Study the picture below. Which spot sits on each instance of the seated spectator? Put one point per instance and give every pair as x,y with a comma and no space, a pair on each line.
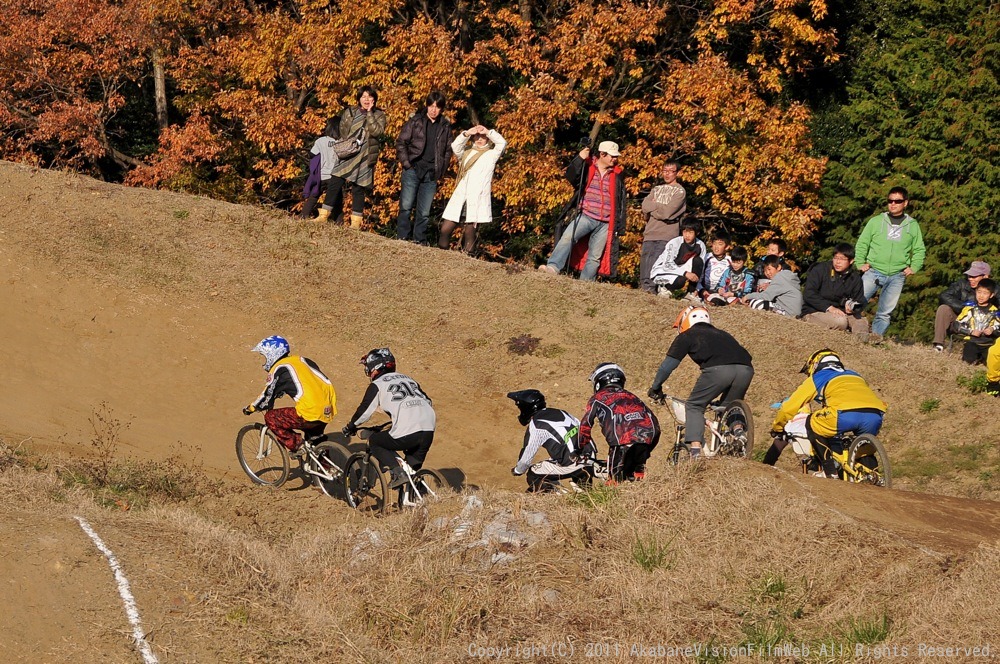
716,264
834,294
957,296
782,295
775,247
682,262
979,323
736,281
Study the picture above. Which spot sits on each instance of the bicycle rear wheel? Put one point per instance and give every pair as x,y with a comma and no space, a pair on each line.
364,484
737,423
262,457
332,460
869,460
430,484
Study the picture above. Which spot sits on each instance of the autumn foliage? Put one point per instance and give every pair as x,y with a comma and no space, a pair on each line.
249,86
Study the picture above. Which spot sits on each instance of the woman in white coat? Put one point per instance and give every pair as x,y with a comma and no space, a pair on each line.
474,184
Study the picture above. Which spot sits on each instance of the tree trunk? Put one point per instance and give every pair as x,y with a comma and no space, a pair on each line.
525,6
160,90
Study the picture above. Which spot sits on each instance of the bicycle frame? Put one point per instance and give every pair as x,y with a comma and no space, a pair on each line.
310,463
715,438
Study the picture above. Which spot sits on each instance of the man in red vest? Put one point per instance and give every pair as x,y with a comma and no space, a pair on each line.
598,214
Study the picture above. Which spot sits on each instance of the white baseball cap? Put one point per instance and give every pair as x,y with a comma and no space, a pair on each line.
609,147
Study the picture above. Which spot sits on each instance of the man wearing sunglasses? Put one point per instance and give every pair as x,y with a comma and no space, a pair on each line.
890,248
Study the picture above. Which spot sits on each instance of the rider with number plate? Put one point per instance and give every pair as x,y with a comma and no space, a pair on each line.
628,425
411,412
555,431
302,380
726,370
847,404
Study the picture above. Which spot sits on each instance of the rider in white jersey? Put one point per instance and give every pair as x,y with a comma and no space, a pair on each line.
410,409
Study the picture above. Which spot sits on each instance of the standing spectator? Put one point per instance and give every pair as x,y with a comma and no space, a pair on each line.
782,295
775,247
362,121
681,263
422,150
321,173
959,294
629,426
598,207
663,207
890,248
834,296
473,185
979,323
993,370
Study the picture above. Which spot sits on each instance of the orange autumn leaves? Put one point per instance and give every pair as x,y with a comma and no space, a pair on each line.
252,84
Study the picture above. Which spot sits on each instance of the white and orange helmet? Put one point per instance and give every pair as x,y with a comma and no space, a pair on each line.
692,316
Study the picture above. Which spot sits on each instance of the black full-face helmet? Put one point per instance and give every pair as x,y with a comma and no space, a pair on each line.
529,402
607,373
377,362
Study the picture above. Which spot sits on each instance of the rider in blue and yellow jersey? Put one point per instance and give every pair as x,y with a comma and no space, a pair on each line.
847,404
302,380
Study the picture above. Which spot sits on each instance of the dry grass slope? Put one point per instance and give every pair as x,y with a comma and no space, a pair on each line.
727,553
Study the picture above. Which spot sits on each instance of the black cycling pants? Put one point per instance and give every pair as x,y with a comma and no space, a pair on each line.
384,447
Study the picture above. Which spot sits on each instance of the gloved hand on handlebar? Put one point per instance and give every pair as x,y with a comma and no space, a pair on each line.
249,410
656,395
349,430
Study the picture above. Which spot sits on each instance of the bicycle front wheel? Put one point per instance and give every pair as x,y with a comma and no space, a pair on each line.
868,459
332,461
737,422
430,485
262,457
364,484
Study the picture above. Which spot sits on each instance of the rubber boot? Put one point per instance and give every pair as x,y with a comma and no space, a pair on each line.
356,220
307,207
323,215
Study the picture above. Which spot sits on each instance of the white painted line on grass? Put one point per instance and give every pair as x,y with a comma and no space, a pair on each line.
123,589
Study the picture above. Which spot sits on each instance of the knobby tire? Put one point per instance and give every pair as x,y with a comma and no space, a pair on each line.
272,466
864,447
364,484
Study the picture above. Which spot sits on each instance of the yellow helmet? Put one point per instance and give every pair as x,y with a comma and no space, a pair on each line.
821,359
692,316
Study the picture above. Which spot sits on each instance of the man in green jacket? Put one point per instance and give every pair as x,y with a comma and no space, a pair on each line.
890,248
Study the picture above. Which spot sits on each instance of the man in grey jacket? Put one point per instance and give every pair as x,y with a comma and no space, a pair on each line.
783,295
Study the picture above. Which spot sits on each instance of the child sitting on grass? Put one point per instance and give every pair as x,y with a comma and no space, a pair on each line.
682,262
979,323
716,265
736,281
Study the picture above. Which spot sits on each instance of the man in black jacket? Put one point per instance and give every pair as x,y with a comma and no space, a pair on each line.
423,151
726,370
834,295
954,298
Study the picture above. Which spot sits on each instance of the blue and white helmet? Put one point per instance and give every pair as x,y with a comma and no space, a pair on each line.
273,349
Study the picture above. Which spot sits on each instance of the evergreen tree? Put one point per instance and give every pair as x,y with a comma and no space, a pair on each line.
920,110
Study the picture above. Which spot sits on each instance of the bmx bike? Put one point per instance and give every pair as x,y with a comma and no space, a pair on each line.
728,429
860,459
267,462
366,488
